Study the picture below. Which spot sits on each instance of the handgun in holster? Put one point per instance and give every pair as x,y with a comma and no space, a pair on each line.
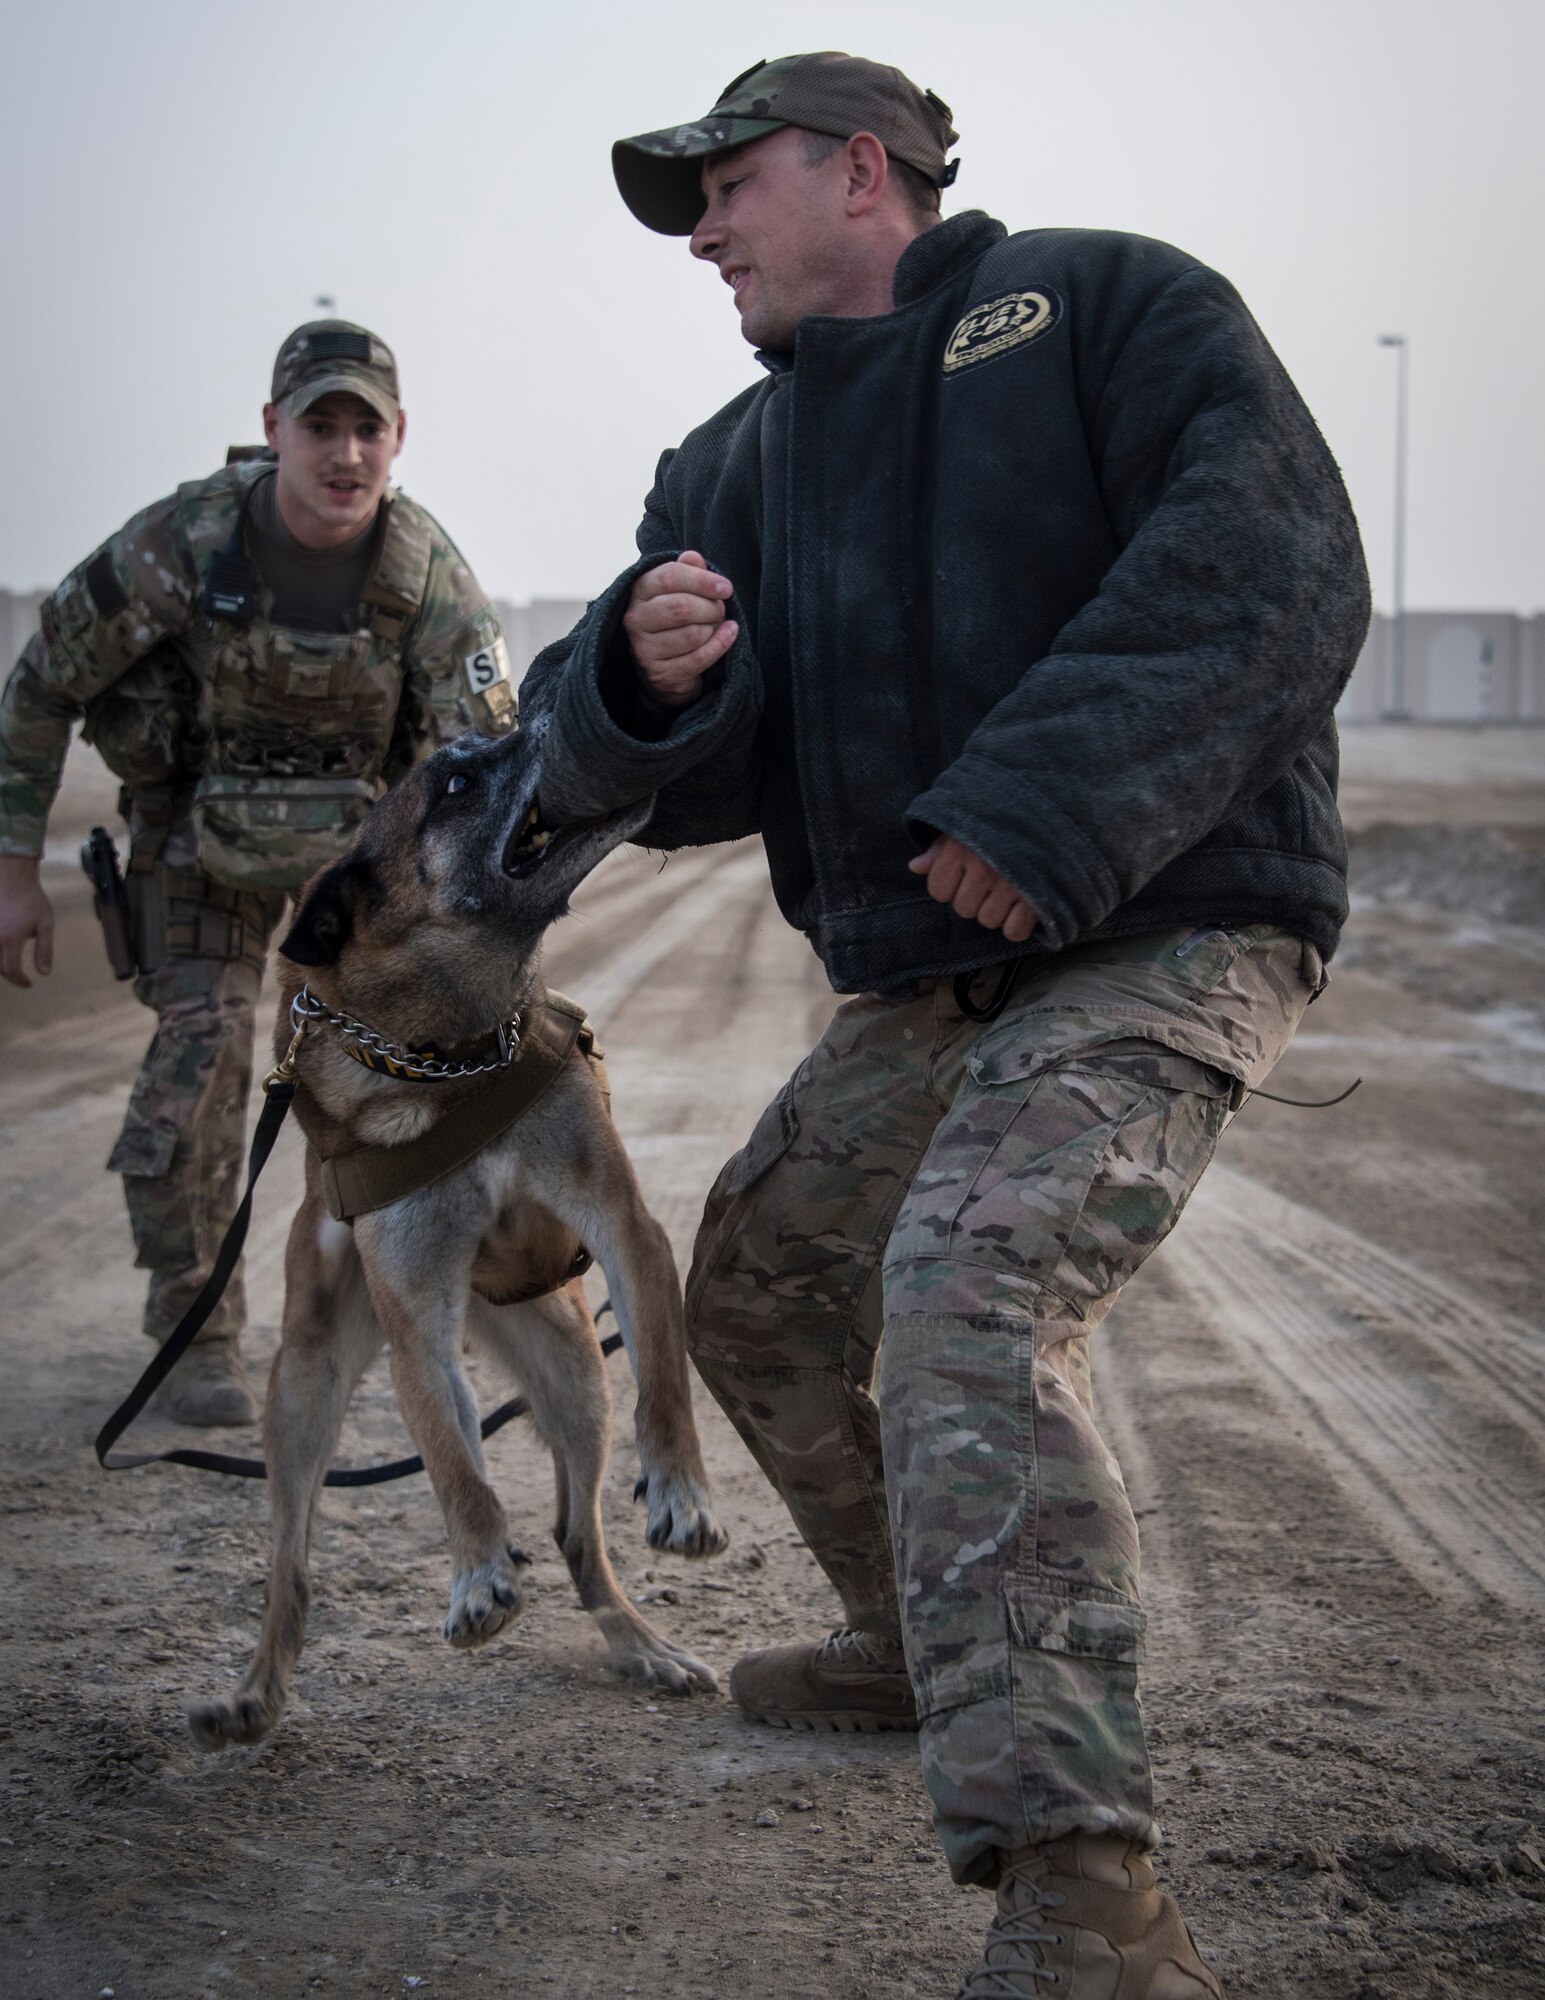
99,858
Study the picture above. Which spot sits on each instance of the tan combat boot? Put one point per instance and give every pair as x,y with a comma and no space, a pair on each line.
208,1386
848,1680
1081,1918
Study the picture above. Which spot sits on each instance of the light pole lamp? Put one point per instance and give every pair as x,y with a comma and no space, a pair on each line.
1397,711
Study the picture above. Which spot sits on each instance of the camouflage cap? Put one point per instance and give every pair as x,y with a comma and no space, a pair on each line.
658,173
327,355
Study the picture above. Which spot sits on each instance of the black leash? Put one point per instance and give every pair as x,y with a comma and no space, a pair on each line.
278,1095
1308,1103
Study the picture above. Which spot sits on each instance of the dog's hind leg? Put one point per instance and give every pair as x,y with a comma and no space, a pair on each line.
550,1346
330,1336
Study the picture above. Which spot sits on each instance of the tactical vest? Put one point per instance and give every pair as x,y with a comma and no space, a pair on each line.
276,740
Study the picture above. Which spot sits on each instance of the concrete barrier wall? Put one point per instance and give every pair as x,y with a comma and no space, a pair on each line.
1460,666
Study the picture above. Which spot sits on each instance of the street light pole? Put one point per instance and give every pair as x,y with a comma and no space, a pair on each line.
1397,711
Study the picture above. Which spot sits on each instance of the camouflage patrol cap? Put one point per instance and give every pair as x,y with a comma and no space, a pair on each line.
328,355
658,173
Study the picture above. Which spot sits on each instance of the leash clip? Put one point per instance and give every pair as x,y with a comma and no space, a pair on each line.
283,1072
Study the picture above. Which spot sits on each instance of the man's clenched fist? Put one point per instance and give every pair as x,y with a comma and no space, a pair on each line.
963,880
676,626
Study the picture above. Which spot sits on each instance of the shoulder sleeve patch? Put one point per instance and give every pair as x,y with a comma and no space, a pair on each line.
107,593
486,667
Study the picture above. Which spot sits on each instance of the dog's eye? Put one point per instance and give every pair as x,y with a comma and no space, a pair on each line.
457,782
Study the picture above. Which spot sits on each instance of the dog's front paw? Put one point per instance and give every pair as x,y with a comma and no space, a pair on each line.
243,1717
483,1601
680,1517
645,1660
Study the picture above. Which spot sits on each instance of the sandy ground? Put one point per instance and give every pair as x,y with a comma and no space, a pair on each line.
1326,1391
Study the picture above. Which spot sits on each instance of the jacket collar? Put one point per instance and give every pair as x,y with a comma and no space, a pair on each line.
941,251
927,261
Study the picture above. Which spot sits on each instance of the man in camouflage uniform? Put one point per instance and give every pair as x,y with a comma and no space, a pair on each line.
256,658
1010,608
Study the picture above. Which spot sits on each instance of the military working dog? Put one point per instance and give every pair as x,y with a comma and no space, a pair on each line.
415,954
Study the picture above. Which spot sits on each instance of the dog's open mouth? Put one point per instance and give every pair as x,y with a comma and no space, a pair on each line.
534,840
528,844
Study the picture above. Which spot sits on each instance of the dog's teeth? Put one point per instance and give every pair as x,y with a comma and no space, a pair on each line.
540,840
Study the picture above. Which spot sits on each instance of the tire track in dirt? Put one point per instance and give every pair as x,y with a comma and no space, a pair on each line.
740,875
1419,1402
707,1040
618,903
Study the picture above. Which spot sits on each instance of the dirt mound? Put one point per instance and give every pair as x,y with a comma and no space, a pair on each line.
1485,871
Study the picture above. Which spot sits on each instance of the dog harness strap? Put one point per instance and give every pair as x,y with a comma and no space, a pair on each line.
372,1177
590,1048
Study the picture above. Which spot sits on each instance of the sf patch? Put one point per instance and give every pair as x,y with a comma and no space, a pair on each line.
996,325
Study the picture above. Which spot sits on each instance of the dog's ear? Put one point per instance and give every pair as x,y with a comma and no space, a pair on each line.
324,923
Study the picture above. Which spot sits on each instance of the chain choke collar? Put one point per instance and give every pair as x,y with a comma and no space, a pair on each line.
425,1063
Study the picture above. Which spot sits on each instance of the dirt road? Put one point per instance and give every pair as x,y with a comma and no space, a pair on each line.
1326,1391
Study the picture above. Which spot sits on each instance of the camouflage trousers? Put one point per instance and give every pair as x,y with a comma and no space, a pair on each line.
979,1195
180,1150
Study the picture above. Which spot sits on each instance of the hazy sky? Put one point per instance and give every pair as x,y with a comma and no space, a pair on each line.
182,179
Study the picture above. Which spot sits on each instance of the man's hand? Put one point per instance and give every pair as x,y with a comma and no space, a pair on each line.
25,912
676,626
956,876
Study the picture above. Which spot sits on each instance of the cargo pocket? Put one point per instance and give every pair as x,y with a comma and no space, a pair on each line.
161,1212
771,1136
1167,1114
1077,1726
1058,1169
1082,1627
